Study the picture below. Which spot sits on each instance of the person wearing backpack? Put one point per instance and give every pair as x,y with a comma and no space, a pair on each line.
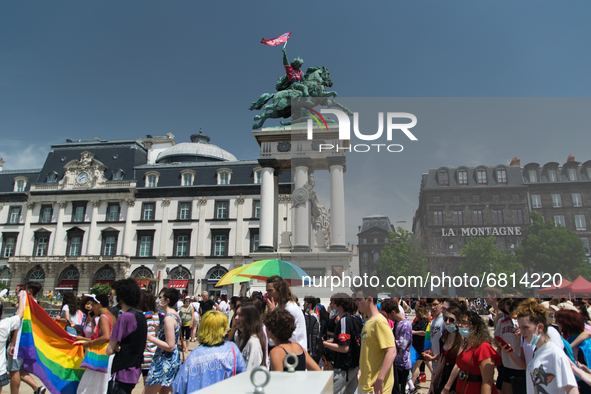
313,333
346,345
322,315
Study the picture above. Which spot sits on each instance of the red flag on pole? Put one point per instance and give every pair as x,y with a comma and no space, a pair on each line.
276,41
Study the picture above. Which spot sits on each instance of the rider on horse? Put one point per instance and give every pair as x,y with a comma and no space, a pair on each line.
294,74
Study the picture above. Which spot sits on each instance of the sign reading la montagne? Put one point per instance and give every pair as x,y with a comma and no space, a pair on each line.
480,231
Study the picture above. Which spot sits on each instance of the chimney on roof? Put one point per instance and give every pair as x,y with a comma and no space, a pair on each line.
359,228
515,162
1,163
570,158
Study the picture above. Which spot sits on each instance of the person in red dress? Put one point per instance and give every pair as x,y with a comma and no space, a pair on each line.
475,365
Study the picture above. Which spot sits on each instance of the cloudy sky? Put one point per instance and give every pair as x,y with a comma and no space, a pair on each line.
124,69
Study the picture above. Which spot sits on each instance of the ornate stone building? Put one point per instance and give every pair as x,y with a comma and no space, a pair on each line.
177,215
456,204
372,237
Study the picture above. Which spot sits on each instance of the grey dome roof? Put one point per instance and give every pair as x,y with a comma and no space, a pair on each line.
199,147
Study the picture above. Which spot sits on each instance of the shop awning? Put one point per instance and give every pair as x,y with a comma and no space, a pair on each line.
67,284
104,281
178,284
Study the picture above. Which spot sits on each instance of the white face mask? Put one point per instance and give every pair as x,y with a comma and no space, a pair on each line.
115,299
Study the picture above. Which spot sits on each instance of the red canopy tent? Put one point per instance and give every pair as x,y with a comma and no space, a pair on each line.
580,286
552,289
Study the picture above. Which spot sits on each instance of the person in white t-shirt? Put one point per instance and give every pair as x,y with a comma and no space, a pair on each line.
223,306
6,327
549,371
279,296
506,329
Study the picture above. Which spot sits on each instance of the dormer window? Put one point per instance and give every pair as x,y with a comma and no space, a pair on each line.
152,178
52,177
551,175
443,178
20,183
118,175
501,176
533,176
572,174
257,175
187,177
463,178
481,177
224,176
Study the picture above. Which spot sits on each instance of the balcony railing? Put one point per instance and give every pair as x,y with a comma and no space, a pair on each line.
68,259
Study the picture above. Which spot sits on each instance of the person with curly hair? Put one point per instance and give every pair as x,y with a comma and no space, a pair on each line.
475,365
549,371
213,360
280,327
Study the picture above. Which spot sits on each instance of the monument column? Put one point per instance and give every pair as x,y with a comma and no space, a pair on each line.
336,167
268,201
301,205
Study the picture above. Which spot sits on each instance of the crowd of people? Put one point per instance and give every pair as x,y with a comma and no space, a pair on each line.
372,345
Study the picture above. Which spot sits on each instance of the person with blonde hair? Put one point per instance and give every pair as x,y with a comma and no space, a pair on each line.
222,359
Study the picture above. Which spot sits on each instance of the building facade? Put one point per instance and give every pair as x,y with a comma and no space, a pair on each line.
456,204
167,214
372,237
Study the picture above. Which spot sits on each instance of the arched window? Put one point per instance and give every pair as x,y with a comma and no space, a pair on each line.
462,177
52,177
501,176
35,275
179,273
104,275
70,273
142,272
118,175
443,178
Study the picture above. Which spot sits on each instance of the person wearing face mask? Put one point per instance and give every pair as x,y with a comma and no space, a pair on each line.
506,328
475,365
549,371
449,345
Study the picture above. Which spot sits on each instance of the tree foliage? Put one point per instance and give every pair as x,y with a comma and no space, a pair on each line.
101,288
483,255
553,249
403,255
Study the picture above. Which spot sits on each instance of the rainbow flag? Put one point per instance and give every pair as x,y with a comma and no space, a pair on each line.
48,351
96,358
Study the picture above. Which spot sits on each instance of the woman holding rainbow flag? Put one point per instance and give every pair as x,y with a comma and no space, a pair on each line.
95,380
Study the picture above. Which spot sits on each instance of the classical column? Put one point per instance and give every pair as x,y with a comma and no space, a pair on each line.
59,244
164,228
276,219
267,205
336,167
127,248
301,205
91,242
239,247
26,238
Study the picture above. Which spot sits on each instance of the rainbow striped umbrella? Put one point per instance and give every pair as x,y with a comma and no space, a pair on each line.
232,277
264,269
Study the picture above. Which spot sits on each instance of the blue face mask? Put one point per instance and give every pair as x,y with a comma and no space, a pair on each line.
451,327
465,332
535,338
